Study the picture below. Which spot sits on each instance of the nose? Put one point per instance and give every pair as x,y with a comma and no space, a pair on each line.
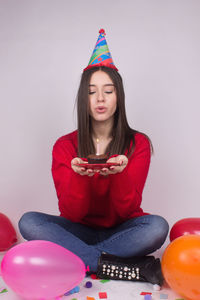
100,96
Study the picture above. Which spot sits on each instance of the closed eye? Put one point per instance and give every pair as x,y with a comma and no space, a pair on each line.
108,92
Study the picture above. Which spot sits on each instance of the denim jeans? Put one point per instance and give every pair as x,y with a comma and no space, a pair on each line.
135,237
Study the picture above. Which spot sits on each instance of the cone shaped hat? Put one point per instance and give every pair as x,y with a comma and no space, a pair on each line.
101,55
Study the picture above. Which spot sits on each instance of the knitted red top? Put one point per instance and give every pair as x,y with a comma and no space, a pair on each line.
99,201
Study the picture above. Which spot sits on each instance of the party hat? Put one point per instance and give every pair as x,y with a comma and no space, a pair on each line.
101,55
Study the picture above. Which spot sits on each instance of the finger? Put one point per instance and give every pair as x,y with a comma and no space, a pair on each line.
112,168
91,174
111,160
104,174
76,160
104,169
116,170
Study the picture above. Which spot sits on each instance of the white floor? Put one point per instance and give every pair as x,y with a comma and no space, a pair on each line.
116,290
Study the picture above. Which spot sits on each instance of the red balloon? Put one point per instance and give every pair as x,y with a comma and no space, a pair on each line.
184,227
8,235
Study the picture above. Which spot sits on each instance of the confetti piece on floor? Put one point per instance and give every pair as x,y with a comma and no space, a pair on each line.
163,296
103,295
147,297
3,291
104,280
88,284
90,298
94,276
73,291
145,293
74,299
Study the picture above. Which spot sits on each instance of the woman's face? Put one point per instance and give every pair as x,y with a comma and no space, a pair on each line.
102,97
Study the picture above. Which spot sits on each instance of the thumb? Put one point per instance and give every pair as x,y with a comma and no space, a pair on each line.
76,160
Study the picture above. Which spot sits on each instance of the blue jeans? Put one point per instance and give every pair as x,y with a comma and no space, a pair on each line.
135,237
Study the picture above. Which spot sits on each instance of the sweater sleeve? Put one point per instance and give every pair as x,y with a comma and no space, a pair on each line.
127,186
71,188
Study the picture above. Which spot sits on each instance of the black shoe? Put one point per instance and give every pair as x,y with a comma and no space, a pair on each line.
137,268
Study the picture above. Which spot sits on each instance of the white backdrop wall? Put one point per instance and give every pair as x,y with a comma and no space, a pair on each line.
45,44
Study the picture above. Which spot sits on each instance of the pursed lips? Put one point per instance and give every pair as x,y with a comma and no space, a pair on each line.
101,109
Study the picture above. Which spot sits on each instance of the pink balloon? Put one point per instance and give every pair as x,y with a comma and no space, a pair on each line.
41,270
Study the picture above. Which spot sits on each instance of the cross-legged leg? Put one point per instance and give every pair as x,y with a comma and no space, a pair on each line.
75,237
135,237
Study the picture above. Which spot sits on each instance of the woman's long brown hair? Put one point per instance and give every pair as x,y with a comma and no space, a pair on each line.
122,133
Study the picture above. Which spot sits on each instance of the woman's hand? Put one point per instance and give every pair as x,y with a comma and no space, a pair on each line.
79,169
122,160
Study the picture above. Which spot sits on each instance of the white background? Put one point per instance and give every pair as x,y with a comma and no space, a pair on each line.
44,46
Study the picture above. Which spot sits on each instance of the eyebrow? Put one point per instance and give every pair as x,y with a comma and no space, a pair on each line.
108,84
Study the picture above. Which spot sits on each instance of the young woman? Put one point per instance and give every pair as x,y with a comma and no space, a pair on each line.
101,219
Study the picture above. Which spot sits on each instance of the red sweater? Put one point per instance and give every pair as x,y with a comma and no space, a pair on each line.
99,201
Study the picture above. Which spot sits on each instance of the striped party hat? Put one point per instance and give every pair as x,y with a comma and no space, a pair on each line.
101,55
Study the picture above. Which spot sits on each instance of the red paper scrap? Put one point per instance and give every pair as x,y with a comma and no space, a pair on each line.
103,295
145,293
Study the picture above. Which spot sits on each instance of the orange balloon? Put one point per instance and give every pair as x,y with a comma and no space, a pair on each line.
181,266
